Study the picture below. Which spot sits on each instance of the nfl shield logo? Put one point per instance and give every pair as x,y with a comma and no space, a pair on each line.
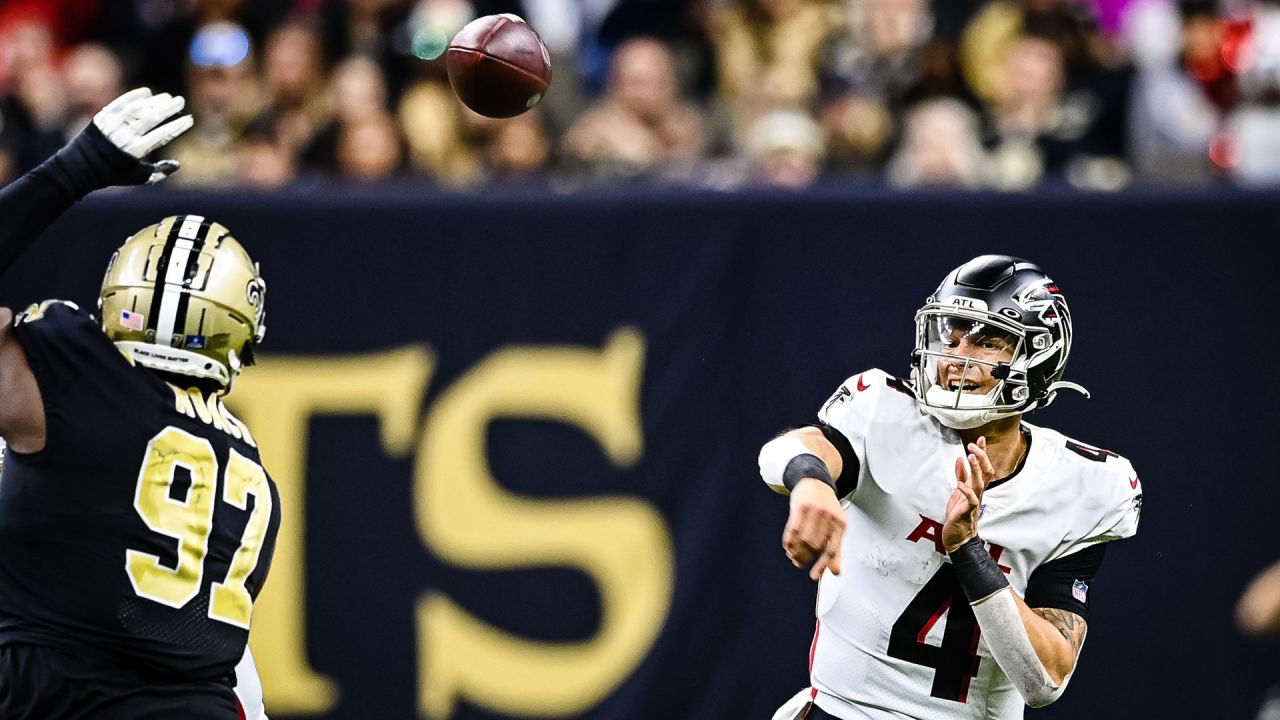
1079,590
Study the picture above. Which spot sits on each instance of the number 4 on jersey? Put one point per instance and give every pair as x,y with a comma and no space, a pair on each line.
956,659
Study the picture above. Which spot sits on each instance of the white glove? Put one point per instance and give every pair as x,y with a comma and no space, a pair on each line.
130,123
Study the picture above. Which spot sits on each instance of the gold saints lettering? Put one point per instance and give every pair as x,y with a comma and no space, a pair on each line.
210,411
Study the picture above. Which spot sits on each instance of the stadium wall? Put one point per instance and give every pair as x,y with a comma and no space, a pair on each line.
516,434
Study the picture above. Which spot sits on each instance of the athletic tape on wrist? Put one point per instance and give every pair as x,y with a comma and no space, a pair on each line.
805,466
977,571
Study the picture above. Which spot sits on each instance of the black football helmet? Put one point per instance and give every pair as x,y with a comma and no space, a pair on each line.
1003,297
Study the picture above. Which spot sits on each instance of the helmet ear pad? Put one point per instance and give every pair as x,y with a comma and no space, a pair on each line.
186,289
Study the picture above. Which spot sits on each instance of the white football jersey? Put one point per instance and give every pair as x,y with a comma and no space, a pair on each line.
896,637
249,688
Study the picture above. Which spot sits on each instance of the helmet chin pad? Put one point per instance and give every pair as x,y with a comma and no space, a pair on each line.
174,360
959,410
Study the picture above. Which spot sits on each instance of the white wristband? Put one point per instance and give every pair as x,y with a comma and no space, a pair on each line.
774,457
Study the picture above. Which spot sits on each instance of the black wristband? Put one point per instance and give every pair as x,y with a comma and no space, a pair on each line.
979,573
805,466
90,162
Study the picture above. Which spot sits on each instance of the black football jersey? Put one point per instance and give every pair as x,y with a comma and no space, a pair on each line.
144,529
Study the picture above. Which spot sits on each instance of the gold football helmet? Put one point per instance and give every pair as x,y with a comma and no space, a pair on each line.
183,296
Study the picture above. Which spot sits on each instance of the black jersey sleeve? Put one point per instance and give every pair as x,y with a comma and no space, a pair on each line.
848,480
29,204
1065,583
77,368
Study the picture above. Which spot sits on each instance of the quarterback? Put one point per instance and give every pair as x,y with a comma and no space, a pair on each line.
137,524
955,543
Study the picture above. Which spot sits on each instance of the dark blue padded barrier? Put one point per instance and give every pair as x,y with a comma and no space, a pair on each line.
752,309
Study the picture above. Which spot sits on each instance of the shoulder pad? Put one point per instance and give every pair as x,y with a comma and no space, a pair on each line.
38,311
1113,486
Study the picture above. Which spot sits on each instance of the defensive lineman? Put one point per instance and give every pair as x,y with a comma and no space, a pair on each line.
136,522
956,543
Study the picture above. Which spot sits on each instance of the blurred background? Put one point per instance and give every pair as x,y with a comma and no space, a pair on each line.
1002,94
518,371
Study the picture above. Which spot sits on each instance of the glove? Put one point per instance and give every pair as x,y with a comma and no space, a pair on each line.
110,150
130,123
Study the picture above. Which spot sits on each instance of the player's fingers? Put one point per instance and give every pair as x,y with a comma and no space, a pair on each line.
979,449
962,471
815,572
799,554
119,103
970,496
978,477
162,135
828,558
835,550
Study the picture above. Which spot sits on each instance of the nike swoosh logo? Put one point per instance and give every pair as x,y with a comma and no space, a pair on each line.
1134,483
862,385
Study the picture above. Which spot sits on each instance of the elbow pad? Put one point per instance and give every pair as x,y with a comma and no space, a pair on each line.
1011,647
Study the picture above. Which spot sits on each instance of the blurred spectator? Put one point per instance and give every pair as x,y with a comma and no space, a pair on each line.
999,24
1171,121
356,90
32,101
1251,134
93,77
640,126
25,45
519,149
369,28
785,149
431,117
941,148
294,84
769,53
879,65
371,150
1035,127
153,36
222,96
265,161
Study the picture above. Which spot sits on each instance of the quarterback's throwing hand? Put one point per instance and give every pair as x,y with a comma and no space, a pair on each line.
973,474
133,123
815,528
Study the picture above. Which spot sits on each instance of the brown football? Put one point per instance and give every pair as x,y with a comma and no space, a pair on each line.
498,66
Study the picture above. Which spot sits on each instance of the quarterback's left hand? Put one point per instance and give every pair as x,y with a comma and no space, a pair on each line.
973,474
132,122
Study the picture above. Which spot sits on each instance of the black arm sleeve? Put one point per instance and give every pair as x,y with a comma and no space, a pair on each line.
1064,584
848,480
29,204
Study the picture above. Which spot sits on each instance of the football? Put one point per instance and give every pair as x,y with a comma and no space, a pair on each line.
498,66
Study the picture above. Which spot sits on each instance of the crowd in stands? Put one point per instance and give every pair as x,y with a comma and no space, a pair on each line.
959,94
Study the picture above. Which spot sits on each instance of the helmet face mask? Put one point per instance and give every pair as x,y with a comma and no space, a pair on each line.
182,296
991,342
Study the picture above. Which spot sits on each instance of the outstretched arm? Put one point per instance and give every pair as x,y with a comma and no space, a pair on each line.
110,151
805,464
